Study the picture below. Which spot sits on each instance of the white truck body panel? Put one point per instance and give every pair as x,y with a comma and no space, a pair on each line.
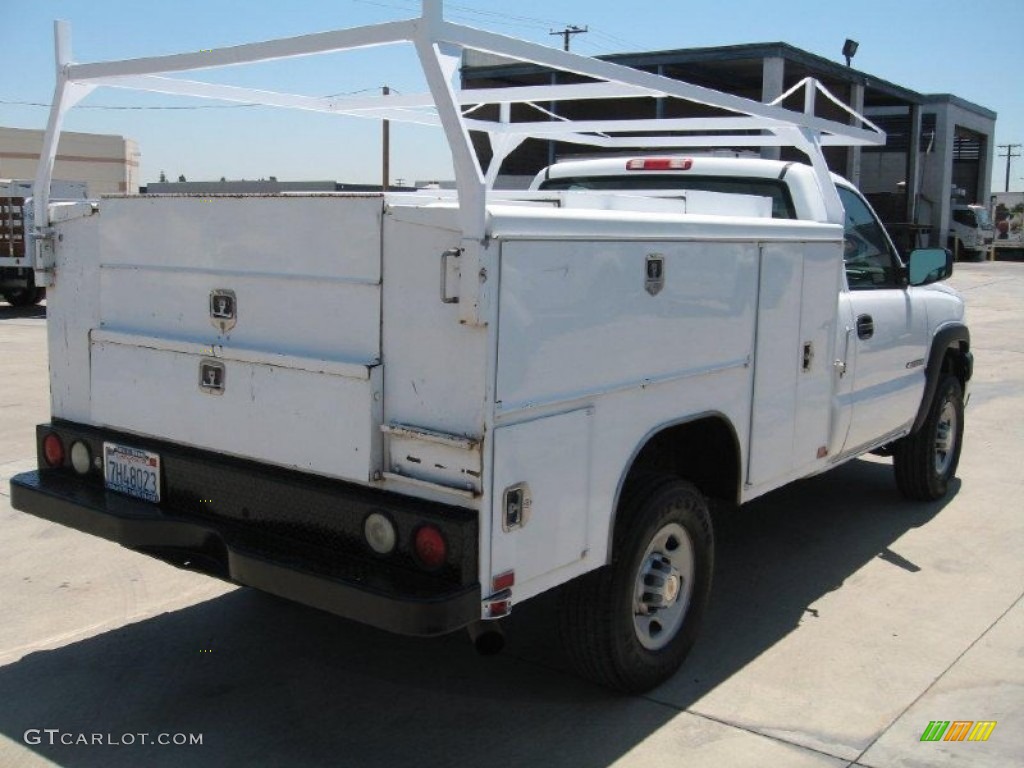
308,387
283,412
579,334
554,452
307,270
569,333
305,389
793,384
435,373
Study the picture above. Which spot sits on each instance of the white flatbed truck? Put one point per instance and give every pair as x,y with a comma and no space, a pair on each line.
417,411
17,278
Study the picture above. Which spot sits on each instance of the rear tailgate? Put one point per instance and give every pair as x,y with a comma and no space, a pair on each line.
248,325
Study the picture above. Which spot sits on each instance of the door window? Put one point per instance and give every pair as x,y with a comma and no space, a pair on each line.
870,261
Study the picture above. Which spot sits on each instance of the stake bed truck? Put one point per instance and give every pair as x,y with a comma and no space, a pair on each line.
416,411
17,280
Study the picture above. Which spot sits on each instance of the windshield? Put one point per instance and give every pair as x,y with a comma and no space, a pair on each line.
984,221
782,203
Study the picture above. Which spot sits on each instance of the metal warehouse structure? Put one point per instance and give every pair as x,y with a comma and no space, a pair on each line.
939,148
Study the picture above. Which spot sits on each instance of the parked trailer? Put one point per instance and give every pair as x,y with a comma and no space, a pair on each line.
418,411
1007,211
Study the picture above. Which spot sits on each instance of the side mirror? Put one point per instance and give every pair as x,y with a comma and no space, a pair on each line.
929,265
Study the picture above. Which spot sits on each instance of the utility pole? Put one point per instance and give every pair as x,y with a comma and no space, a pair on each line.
1009,156
568,32
385,149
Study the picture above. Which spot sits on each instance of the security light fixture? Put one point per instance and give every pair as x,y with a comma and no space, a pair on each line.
850,49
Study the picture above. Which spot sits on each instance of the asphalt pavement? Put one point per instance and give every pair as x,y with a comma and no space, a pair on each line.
843,621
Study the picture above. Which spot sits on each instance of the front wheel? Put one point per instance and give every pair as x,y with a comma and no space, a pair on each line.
630,624
926,461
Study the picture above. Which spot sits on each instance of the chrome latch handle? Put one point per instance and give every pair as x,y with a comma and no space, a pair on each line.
451,252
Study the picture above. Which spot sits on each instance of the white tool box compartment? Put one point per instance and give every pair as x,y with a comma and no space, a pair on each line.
275,299
285,412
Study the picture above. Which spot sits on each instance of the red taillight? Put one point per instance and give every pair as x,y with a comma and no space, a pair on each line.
503,581
500,608
53,450
660,164
430,547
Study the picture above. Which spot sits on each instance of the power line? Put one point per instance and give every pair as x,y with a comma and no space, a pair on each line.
392,6
616,40
180,107
115,107
501,18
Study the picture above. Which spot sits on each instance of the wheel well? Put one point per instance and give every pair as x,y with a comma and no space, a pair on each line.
704,451
954,362
950,353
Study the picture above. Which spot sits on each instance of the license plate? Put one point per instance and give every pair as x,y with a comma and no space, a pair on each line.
132,471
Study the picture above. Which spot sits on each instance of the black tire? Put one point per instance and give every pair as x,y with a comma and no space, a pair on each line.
598,612
923,468
24,297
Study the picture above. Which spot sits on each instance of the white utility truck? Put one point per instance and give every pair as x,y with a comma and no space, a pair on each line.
417,411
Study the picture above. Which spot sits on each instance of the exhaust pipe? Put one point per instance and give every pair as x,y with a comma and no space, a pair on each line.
487,637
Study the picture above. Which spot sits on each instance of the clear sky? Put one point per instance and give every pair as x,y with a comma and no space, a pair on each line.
974,50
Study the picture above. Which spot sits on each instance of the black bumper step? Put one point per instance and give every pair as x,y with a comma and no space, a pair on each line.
294,535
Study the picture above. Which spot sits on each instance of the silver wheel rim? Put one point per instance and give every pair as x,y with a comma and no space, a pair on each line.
664,585
945,438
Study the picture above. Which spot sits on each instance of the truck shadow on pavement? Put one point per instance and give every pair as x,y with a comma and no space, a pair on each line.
35,312
267,682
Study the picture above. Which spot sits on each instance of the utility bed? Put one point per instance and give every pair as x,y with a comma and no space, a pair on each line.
322,334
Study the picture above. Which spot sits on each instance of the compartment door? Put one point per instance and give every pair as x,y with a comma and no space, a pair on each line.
547,462
306,414
793,374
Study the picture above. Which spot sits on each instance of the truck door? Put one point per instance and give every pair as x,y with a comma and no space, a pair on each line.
887,344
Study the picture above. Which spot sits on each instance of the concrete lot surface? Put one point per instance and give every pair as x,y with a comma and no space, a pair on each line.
843,620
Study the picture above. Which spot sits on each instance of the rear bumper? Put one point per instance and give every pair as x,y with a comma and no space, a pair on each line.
310,564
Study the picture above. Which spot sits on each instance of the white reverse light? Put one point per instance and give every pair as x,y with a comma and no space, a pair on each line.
81,458
380,533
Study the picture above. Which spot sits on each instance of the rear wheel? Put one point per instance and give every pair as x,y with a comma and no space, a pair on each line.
630,624
926,461
24,297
